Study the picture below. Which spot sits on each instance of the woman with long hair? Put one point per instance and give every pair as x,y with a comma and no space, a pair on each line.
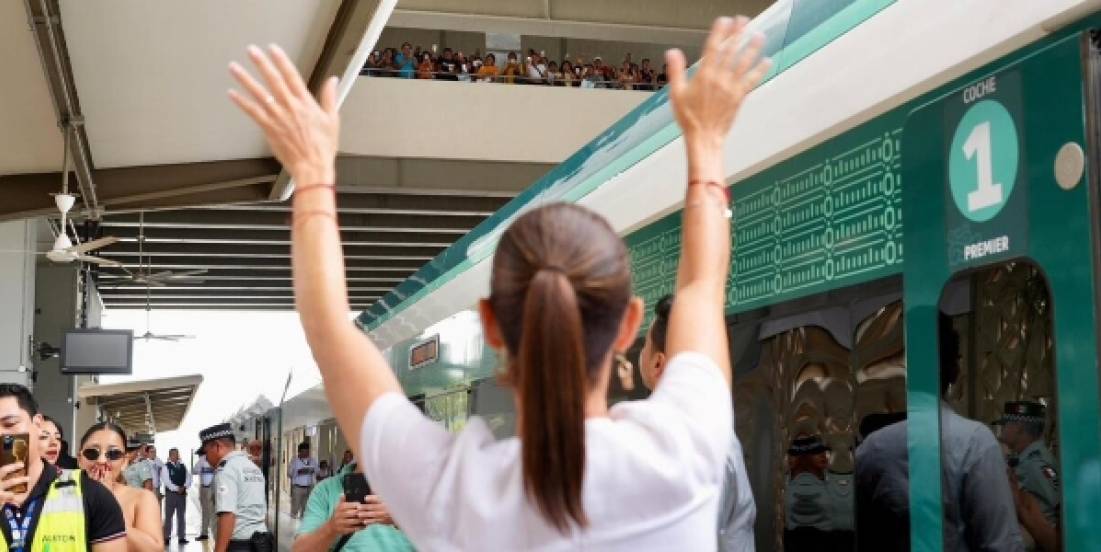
103,457
51,438
643,475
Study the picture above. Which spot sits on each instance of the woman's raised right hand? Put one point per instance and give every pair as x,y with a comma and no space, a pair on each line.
706,105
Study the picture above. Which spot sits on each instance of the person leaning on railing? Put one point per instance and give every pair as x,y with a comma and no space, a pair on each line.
488,71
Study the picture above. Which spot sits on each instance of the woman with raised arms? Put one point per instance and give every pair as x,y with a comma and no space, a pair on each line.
642,475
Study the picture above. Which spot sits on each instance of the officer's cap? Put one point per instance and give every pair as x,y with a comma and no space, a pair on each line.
1023,411
219,431
807,445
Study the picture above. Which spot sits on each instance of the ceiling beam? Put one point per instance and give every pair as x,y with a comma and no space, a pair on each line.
252,265
345,50
45,19
110,276
166,249
147,187
228,297
258,236
225,291
370,203
214,218
226,305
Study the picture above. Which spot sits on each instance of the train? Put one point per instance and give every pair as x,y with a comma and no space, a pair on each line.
904,162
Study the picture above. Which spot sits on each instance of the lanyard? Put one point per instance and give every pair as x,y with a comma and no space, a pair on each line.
20,527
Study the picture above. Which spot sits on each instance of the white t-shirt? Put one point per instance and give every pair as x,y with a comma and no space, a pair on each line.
653,473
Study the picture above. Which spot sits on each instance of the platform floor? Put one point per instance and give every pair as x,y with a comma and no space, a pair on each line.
287,527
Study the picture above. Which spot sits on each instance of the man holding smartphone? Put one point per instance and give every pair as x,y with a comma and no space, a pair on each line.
44,509
332,520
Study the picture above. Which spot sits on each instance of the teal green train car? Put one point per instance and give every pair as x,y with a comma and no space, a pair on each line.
907,162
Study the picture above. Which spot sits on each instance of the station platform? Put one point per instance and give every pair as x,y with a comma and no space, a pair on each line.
287,527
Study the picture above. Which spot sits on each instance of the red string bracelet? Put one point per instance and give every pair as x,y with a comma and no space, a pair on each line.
308,187
299,218
725,190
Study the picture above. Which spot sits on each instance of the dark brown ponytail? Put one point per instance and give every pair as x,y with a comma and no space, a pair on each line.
561,283
553,419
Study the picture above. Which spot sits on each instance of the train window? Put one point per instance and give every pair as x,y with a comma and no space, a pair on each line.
813,379
450,408
998,417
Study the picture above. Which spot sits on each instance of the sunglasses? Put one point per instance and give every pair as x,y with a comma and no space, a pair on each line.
93,454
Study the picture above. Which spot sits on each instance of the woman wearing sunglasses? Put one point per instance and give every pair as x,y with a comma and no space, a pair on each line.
103,457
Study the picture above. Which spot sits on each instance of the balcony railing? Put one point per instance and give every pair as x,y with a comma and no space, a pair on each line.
574,82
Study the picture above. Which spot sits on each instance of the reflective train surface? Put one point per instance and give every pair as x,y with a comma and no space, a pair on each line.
906,163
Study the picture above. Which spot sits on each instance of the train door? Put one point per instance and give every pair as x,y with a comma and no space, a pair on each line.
1001,308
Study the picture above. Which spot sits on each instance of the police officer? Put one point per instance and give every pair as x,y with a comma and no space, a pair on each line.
239,494
206,493
1032,462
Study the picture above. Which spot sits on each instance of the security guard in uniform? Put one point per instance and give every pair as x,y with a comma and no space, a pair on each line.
239,494
1031,460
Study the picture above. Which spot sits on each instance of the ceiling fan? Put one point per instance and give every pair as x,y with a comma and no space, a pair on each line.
63,249
149,335
145,274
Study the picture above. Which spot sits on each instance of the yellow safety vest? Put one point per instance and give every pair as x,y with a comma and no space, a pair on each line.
61,523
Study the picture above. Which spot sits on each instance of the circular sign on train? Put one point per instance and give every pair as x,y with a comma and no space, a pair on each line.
982,167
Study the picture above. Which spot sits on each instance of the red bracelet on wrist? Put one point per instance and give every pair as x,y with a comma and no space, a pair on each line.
308,187
725,190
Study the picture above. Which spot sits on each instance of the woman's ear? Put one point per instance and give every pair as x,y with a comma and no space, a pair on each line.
628,327
489,325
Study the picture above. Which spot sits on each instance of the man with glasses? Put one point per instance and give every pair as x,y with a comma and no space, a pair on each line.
45,509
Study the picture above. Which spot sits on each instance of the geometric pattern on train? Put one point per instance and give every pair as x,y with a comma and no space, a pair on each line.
1013,356
819,387
812,222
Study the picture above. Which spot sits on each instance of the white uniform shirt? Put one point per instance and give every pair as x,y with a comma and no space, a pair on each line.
157,465
653,473
240,489
168,479
205,471
303,472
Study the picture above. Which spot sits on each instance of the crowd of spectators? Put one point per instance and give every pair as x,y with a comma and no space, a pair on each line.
417,63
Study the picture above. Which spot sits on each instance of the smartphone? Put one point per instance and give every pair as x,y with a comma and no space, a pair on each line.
356,488
14,448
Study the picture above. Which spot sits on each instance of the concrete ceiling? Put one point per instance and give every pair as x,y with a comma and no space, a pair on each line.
697,14
138,87
29,138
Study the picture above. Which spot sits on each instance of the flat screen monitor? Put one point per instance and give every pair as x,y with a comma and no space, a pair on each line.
96,351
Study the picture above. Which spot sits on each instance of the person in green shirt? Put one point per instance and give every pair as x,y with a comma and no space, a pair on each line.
329,517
